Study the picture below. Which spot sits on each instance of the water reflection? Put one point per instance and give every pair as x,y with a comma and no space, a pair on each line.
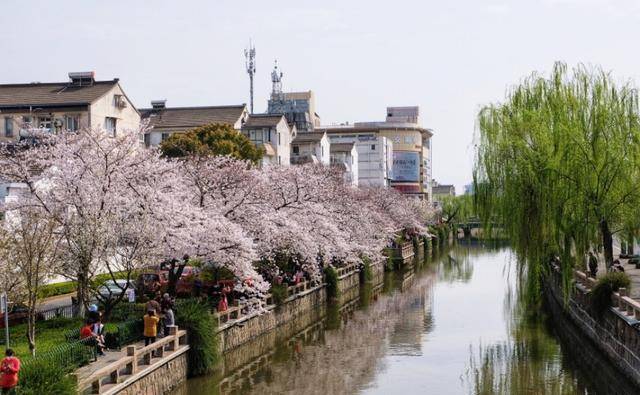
455,326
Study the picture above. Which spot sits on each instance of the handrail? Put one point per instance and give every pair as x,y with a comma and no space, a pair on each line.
619,300
134,359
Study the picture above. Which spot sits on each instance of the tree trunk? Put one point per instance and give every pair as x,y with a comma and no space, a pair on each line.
31,323
607,242
630,241
81,292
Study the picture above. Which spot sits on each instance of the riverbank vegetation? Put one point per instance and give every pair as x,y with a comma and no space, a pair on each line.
558,165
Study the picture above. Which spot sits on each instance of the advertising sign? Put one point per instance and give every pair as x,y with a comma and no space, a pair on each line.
406,166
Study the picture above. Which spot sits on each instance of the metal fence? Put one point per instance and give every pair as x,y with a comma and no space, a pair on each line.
57,312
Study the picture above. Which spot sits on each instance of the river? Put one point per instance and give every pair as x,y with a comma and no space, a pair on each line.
454,325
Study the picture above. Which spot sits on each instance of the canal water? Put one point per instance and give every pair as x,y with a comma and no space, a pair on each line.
452,325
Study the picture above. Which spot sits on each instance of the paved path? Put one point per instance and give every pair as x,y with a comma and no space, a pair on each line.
634,275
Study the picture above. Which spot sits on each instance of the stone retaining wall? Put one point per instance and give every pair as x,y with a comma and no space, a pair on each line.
159,381
615,335
240,332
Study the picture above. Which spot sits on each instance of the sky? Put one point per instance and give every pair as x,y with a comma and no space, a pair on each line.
448,57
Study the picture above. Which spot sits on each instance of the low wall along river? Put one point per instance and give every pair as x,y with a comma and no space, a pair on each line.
447,324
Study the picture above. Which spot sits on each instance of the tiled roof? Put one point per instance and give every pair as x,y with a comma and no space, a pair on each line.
311,137
341,147
52,94
262,120
191,117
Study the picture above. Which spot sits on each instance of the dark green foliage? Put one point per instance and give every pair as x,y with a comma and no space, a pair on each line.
41,376
600,296
279,293
331,279
127,311
49,290
208,140
366,274
124,333
194,316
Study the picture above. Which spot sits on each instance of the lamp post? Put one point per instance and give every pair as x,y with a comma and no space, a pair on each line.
4,303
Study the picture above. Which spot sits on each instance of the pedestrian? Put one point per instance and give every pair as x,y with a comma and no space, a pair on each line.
93,314
617,266
169,320
593,264
150,327
223,305
153,305
9,368
86,332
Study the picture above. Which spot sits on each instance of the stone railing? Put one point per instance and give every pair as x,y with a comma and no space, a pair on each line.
106,378
347,270
619,300
248,308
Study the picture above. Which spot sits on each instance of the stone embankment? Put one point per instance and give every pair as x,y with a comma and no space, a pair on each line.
615,335
247,329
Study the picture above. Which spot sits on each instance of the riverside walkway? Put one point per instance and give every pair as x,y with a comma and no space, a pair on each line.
118,369
632,272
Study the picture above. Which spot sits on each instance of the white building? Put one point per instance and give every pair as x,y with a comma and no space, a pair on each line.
411,169
77,103
375,156
272,132
311,147
165,121
345,155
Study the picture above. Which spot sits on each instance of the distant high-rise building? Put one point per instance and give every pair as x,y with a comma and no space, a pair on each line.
298,107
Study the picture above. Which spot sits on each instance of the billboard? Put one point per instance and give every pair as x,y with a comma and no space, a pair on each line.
406,166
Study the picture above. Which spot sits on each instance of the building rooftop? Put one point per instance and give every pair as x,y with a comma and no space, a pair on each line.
311,137
52,94
342,147
262,120
368,127
443,190
190,117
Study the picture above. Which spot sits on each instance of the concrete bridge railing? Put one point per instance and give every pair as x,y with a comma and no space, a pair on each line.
105,380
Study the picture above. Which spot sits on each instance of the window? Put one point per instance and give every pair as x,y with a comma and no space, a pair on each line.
165,136
8,127
72,122
373,147
44,122
279,139
110,125
256,136
279,161
27,120
408,140
296,150
322,151
147,139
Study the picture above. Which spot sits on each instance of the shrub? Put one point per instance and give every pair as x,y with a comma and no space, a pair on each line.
279,293
41,376
366,273
49,290
124,333
331,279
194,316
600,296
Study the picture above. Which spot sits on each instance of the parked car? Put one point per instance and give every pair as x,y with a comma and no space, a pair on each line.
113,289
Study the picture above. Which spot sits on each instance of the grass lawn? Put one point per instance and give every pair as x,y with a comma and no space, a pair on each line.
49,334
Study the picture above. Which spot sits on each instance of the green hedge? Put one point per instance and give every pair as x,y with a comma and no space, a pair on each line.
67,287
279,293
49,290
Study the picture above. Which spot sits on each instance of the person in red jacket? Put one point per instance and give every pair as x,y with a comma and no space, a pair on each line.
9,368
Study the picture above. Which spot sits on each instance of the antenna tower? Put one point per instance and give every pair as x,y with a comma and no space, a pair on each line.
250,64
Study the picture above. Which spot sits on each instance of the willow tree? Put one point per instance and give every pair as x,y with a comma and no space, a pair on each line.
558,163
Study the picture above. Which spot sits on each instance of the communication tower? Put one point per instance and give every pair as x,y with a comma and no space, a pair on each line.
250,64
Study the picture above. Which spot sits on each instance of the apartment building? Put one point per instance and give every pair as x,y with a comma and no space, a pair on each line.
311,147
273,133
165,121
345,156
80,102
